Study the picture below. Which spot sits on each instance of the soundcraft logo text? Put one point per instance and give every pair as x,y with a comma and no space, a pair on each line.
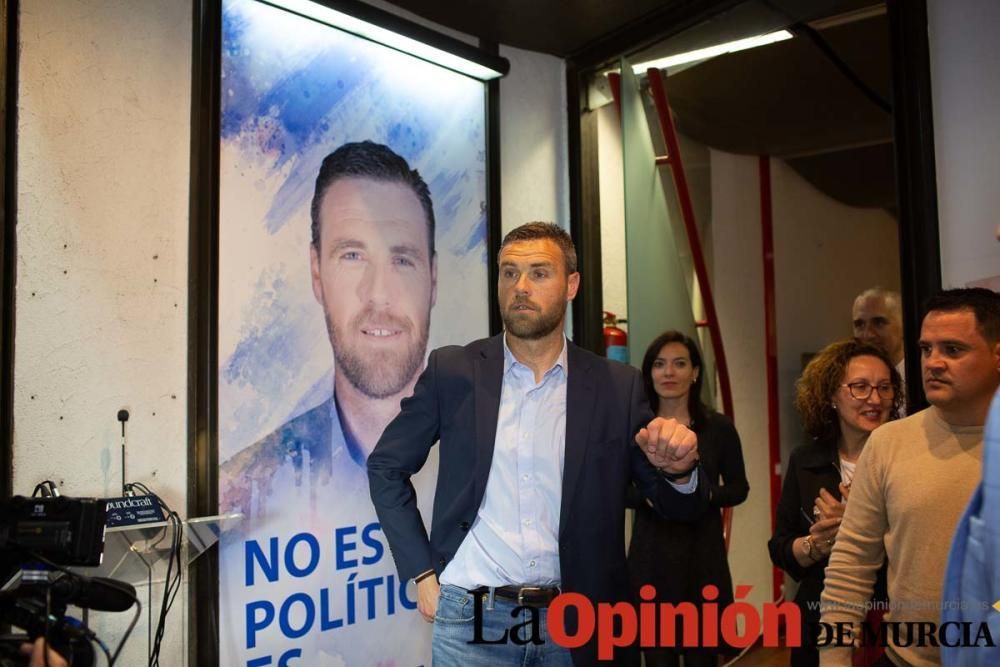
130,503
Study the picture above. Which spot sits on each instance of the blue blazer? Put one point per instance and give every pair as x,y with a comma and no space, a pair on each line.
972,580
457,400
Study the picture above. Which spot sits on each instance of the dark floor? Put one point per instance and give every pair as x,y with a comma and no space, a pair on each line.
760,656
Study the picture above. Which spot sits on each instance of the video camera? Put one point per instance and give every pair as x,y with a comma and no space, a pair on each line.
40,538
67,531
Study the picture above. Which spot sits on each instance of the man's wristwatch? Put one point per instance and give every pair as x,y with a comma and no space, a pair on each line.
674,476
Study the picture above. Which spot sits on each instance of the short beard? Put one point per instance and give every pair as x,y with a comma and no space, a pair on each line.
379,375
533,330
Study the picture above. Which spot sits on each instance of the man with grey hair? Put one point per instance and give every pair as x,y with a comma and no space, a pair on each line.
877,318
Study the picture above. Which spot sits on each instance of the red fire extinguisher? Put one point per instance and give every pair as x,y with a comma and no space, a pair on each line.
615,338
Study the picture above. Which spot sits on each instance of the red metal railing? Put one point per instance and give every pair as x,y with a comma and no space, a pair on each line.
770,351
673,158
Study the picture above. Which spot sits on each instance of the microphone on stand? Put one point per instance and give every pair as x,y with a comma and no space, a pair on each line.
97,593
123,417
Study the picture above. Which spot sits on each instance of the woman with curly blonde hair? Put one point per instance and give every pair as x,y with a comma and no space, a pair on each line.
846,391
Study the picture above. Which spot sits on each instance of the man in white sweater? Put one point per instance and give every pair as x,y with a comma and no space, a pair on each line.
914,478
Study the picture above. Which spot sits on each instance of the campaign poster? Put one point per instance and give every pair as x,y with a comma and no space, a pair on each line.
352,241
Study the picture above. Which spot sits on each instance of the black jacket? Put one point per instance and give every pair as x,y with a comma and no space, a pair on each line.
811,467
678,557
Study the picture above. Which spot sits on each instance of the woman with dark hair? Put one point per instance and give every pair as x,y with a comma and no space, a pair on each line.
847,391
679,558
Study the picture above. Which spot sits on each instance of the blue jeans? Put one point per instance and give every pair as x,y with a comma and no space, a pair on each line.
455,626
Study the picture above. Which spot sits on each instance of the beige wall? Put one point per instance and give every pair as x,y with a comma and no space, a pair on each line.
103,162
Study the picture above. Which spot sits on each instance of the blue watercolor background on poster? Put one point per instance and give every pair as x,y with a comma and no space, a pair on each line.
308,575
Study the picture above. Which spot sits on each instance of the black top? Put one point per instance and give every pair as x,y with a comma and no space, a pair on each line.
811,467
677,557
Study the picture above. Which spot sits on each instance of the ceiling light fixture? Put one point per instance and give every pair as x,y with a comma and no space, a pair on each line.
713,51
421,43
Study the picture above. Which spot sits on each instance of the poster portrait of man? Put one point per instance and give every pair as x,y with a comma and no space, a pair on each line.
352,240
374,273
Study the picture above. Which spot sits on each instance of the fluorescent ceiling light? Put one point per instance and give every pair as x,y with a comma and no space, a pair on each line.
713,51
386,37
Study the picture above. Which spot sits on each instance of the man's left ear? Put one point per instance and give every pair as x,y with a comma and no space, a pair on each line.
573,286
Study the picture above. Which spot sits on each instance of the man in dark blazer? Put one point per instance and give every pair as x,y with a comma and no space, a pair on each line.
538,446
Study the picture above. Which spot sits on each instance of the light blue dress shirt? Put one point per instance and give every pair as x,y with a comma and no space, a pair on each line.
514,539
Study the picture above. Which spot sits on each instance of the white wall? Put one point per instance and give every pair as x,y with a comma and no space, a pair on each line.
534,177
102,244
824,254
103,162
738,288
965,90
611,179
534,174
